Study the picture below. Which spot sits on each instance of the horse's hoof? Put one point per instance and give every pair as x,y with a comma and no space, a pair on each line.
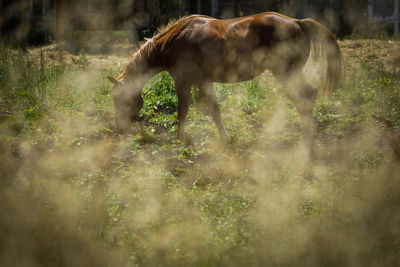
185,139
225,139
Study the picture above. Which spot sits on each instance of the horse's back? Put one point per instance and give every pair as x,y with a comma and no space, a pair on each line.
243,46
198,28
262,29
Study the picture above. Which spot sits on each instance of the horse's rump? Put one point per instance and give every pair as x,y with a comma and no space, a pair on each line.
324,43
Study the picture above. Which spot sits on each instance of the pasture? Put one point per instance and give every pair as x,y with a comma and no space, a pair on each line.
74,192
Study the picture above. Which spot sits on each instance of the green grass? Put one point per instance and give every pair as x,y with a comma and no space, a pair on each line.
75,193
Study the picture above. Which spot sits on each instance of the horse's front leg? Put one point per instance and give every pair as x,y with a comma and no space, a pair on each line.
207,92
183,93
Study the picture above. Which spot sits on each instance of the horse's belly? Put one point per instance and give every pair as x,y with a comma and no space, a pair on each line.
238,75
241,64
222,64
242,69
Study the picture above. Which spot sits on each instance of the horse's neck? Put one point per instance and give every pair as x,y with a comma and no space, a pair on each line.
142,67
136,67
137,74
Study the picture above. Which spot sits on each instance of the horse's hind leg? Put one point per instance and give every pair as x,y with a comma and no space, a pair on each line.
303,96
304,103
207,92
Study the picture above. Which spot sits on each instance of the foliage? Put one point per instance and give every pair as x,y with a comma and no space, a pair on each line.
23,89
160,101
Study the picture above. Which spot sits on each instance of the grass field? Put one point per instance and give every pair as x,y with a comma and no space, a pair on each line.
75,193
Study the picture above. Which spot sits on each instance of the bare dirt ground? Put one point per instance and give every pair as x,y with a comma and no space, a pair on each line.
118,55
373,51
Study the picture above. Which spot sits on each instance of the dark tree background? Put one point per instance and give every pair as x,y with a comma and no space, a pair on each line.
33,22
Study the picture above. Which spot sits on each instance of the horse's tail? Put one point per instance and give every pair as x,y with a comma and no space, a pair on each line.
323,41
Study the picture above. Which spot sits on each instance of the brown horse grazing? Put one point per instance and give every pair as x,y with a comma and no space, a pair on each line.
199,50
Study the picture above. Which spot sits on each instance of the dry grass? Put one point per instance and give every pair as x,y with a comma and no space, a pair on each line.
75,193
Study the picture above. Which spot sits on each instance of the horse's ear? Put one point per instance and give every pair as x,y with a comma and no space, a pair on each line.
113,80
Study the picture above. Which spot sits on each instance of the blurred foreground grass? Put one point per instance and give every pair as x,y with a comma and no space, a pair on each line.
75,193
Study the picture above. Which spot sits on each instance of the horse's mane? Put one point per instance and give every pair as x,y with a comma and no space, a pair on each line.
146,46
162,30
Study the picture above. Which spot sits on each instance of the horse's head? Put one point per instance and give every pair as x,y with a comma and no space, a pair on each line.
128,102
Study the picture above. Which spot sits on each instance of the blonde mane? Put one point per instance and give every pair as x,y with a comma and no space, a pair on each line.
146,46
163,29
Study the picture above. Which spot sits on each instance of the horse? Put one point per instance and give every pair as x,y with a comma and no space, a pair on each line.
198,50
